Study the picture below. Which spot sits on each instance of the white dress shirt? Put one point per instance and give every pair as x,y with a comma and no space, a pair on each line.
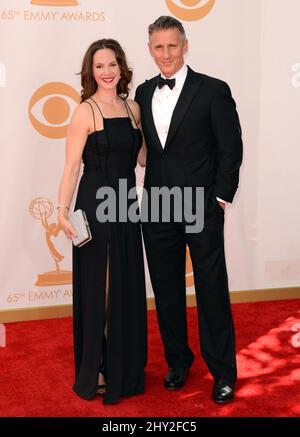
163,104
164,101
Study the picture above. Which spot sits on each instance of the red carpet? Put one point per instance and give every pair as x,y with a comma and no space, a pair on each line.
37,370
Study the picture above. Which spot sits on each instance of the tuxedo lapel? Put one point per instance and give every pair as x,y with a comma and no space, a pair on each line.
186,96
150,126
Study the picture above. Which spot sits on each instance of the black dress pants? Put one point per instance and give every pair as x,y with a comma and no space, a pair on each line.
165,245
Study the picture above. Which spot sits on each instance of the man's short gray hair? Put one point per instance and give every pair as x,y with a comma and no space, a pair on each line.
166,22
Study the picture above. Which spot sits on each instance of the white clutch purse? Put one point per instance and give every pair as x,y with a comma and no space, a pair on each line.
81,226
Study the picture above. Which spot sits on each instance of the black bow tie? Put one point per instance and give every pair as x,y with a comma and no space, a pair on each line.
161,82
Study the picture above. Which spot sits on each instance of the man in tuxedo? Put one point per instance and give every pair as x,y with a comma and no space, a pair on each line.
193,139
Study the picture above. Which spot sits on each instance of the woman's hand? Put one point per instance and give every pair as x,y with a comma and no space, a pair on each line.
65,223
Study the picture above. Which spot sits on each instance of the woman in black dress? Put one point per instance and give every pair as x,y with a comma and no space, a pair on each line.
109,299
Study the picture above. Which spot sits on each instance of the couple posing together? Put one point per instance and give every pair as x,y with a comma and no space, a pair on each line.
183,126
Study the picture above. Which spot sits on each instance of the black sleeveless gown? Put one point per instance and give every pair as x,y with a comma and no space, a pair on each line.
109,155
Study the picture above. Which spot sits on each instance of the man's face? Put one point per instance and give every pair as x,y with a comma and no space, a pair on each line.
168,49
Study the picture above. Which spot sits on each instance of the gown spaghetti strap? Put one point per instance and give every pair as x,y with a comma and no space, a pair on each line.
115,250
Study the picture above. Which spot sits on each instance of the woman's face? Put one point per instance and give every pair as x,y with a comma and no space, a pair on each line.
106,69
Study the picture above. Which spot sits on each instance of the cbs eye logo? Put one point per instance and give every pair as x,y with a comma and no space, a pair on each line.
190,13
53,100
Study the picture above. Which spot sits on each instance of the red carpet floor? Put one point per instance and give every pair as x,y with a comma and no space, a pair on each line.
37,370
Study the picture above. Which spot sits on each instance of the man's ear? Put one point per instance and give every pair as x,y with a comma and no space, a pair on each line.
149,47
185,46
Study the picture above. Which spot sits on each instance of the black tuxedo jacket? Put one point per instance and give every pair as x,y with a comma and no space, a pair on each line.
204,145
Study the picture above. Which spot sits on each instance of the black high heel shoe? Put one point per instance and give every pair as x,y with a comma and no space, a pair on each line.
101,388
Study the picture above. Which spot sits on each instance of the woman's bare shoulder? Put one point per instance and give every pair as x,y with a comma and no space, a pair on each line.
134,106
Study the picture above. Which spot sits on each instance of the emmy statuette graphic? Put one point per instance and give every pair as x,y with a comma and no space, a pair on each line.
41,209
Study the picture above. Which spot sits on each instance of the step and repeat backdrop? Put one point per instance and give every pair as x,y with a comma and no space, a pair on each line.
253,45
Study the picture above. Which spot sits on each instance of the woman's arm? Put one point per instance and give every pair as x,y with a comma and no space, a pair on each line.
142,156
76,139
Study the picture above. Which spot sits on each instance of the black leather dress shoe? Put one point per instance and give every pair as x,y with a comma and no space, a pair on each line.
223,391
175,378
